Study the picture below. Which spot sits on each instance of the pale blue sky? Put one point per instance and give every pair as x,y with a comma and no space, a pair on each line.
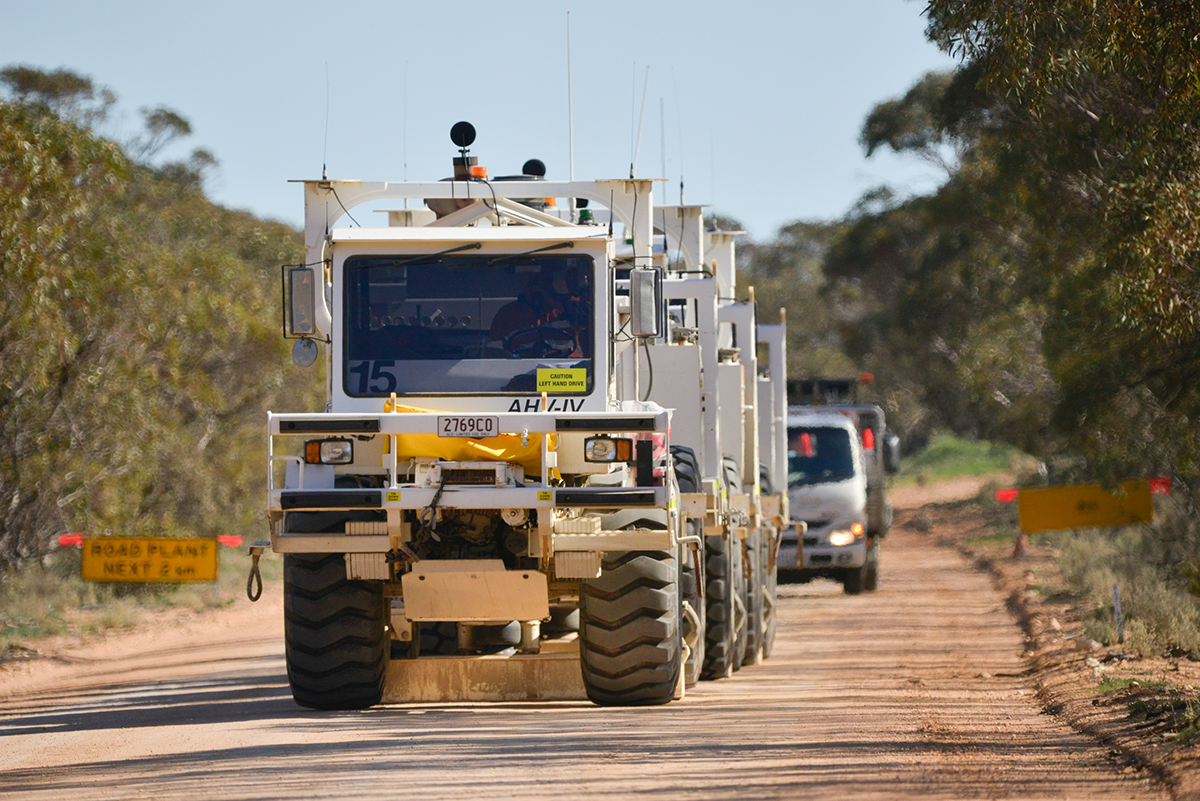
772,95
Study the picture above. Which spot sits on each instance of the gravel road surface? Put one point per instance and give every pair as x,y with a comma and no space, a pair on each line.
916,691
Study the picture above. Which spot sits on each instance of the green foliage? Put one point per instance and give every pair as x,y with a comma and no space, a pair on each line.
1103,101
139,344
949,456
786,274
62,92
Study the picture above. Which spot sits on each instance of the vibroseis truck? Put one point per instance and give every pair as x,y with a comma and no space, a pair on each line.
540,471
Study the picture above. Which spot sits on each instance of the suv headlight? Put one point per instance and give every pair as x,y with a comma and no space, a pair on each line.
329,451
844,537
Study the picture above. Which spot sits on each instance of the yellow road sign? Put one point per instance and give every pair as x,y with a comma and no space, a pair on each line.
144,559
1085,506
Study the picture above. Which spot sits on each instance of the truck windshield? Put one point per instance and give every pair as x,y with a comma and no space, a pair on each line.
468,325
819,456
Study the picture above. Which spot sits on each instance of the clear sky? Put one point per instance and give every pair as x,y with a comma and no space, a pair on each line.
763,101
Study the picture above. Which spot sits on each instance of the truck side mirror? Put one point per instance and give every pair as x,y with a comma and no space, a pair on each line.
645,302
891,453
300,319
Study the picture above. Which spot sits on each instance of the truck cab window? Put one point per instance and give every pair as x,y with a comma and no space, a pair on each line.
465,324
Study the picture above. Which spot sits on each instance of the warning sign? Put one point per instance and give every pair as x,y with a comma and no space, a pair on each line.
1085,506
562,379
145,559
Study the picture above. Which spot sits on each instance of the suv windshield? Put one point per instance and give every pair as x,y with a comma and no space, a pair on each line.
471,324
819,456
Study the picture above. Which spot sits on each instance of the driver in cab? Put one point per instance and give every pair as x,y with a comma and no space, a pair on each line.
533,307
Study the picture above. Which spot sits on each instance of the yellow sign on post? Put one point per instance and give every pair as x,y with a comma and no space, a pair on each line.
145,559
1084,506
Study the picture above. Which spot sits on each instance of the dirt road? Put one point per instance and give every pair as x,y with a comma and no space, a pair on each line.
916,691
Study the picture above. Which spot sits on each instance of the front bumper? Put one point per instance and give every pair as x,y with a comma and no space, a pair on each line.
812,551
391,502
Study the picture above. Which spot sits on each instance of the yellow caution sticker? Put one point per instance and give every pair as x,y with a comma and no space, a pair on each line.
562,379
1084,506
544,495
145,559
393,497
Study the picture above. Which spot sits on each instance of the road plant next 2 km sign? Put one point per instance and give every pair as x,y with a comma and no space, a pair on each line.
145,559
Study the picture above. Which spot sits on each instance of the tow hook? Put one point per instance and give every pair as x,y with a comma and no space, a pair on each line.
254,586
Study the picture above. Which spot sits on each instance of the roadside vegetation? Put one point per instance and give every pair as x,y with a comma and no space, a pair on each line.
1045,295
950,456
139,329
48,598
139,353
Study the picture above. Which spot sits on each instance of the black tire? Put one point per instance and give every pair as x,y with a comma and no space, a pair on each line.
690,582
723,647
854,580
630,635
755,608
687,468
732,476
771,592
871,582
740,640
866,578
691,567
335,634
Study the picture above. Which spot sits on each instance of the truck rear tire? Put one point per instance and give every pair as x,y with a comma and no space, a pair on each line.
725,631
770,591
755,608
631,642
335,634
691,567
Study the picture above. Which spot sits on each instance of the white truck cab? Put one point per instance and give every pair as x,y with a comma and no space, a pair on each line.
827,491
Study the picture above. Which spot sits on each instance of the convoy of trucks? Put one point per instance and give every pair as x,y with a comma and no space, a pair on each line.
553,462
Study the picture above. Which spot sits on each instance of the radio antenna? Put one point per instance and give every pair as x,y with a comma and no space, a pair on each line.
712,165
679,122
641,116
662,131
404,128
570,113
325,146
632,115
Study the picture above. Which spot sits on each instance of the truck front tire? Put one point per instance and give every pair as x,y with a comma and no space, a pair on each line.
691,567
631,642
866,578
770,551
725,632
755,606
335,634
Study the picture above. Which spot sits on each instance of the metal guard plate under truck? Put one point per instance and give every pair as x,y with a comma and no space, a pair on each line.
488,507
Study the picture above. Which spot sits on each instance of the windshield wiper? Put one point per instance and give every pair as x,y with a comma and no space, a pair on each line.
428,256
510,257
